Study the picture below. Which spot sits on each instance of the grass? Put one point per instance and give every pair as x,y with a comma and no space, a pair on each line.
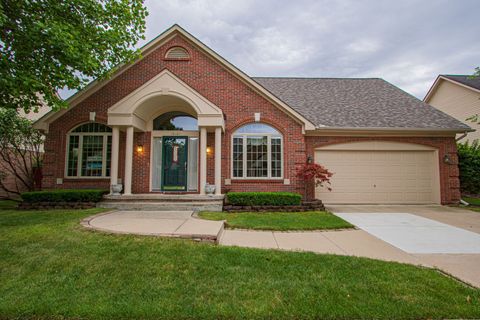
8,204
472,201
51,267
281,221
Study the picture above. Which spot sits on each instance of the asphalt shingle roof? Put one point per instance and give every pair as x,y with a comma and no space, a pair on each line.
357,103
464,79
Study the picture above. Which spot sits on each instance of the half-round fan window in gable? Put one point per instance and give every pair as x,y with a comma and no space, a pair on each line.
257,152
89,151
177,53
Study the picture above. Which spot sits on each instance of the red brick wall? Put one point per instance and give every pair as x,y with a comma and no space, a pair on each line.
238,102
449,181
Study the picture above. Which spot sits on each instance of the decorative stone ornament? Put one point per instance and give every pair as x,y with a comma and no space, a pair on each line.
209,189
116,189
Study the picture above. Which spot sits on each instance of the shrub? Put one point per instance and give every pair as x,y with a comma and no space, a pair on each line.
313,174
263,198
469,165
63,196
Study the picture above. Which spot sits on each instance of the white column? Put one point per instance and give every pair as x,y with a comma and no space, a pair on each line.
203,159
128,161
114,160
218,160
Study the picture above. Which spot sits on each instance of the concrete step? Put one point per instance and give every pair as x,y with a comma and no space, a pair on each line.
161,197
212,205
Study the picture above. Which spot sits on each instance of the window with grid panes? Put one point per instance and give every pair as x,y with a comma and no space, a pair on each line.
89,151
257,152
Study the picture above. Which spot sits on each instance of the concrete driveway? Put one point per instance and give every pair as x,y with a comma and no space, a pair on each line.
445,237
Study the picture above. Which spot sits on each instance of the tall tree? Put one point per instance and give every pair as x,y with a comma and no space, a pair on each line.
47,45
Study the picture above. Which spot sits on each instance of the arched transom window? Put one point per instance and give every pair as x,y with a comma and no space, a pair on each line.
257,152
175,121
89,151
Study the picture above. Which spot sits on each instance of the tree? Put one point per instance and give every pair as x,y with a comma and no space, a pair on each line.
20,153
47,45
313,174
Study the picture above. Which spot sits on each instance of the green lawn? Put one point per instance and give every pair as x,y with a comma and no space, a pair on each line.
8,204
472,201
313,220
51,267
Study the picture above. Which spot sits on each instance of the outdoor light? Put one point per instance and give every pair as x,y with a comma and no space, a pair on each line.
309,159
140,148
209,150
447,159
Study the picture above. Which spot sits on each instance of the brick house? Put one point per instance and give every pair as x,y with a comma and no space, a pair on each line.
182,118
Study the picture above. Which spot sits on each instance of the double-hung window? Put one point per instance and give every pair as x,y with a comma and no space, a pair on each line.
257,151
89,151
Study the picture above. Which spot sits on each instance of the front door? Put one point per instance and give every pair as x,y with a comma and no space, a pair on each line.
175,151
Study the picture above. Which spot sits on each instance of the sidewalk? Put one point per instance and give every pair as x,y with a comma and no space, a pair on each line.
345,242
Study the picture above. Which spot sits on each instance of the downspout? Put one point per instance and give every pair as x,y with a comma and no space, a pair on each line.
461,137
463,202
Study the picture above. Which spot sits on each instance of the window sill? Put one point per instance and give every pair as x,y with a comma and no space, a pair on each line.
266,180
86,178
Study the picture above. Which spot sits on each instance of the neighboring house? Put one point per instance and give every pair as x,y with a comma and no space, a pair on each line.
182,117
458,96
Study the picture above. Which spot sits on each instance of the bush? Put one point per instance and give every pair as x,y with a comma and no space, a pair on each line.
264,198
64,196
469,165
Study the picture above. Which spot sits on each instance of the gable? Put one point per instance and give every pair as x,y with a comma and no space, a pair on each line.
129,79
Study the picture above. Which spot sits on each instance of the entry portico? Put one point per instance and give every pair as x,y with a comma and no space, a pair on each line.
163,95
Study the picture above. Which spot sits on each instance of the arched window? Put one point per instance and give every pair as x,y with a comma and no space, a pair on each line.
89,151
177,53
257,152
175,121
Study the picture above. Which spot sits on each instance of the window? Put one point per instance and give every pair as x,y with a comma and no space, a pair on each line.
177,53
257,152
89,151
175,121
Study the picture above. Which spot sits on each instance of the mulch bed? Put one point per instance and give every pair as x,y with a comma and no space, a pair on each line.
316,205
56,205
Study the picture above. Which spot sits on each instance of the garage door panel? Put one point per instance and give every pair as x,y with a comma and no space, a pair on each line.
379,176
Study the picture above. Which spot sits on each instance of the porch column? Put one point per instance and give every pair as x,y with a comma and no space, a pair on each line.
114,159
203,159
128,161
218,160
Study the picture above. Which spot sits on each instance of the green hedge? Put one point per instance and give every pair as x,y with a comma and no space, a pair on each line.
469,166
263,198
64,196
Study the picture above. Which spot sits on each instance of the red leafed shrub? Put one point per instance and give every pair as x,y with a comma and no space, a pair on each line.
312,173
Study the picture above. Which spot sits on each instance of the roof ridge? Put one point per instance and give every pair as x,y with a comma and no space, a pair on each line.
312,78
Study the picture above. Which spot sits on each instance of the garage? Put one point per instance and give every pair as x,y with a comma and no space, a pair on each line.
380,172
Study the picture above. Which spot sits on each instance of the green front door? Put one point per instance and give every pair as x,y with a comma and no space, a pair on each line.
174,163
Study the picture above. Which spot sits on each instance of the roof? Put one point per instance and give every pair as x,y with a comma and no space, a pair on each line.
95,85
468,80
358,103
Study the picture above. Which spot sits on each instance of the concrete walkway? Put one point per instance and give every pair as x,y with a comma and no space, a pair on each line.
180,224
345,242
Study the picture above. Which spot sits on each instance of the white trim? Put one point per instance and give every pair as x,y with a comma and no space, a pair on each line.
269,155
80,154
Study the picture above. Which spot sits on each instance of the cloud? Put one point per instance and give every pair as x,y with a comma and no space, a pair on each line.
406,42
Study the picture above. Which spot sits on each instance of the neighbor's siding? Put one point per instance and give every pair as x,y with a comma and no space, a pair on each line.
459,102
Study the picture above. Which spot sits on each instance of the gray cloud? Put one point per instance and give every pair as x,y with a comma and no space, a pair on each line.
405,42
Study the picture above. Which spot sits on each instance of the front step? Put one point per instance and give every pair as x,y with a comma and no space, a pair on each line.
151,205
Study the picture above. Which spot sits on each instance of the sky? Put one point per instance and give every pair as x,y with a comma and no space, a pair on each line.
405,42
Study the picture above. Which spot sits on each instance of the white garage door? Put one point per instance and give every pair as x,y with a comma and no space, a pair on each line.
371,172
